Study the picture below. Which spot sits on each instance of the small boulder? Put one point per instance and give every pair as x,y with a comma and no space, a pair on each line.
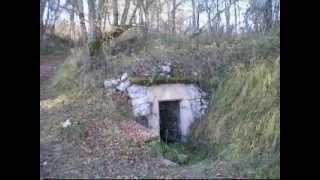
124,77
111,83
66,123
167,162
123,86
166,69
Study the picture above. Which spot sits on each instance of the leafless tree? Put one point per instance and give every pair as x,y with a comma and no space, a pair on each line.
133,16
173,12
43,4
125,12
93,28
235,6
227,15
72,23
52,16
158,10
79,6
101,14
194,11
115,12
267,14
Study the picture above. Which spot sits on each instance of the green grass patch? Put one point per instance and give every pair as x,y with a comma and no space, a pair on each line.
65,77
245,117
181,154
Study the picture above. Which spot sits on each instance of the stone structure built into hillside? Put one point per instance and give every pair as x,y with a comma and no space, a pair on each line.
170,107
189,106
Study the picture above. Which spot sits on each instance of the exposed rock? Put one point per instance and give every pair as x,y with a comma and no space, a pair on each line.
141,106
124,77
111,83
120,84
166,69
140,100
66,123
167,162
123,86
136,91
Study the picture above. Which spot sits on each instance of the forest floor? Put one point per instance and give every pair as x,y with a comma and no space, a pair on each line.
105,150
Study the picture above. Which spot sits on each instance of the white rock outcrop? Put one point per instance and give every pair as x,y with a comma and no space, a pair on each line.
121,84
140,100
66,123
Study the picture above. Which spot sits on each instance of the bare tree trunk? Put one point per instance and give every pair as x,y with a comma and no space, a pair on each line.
227,15
141,22
42,8
198,18
193,15
43,4
168,16
159,8
84,36
55,17
52,15
146,13
268,14
133,16
104,21
115,12
173,17
146,18
72,23
277,12
235,18
208,11
101,11
125,12
218,17
46,24
93,29
146,7
209,22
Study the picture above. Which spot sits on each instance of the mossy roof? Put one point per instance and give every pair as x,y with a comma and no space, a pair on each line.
150,82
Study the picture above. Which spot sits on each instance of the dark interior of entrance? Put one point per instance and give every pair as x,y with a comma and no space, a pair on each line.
169,121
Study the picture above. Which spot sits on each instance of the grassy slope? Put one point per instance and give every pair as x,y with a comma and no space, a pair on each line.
244,123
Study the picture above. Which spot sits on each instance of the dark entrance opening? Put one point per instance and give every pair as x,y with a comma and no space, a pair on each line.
169,121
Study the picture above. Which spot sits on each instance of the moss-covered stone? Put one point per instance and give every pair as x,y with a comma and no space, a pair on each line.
172,80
